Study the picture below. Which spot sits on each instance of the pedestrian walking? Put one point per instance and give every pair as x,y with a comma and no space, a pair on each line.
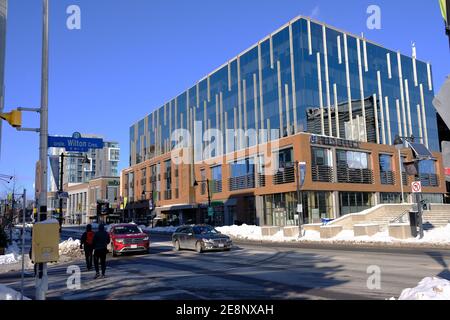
87,243
101,241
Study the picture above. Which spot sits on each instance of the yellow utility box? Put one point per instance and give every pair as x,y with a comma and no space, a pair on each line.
45,244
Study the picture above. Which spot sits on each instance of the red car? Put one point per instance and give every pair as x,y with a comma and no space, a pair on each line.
127,237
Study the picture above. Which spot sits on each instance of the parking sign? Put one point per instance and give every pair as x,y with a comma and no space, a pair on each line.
416,187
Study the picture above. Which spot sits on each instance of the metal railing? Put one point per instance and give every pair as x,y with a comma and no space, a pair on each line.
242,182
404,178
216,186
387,177
429,180
322,174
348,175
261,180
401,218
284,175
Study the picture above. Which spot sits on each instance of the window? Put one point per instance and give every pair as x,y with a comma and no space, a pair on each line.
352,159
385,162
216,182
242,175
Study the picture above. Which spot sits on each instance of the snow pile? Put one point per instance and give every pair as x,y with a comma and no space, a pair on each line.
431,288
160,229
7,293
242,232
70,247
434,236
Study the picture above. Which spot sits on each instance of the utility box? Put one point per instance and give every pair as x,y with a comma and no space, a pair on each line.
45,242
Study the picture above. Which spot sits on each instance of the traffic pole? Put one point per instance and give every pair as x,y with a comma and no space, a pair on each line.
24,198
42,279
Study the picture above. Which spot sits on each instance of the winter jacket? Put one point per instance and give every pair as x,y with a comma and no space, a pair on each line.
101,240
84,244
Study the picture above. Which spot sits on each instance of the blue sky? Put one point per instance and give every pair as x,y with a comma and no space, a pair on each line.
132,56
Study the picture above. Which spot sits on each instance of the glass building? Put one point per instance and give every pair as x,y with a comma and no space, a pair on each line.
305,78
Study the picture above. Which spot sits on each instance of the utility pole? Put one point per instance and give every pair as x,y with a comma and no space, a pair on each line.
61,186
24,214
42,279
3,23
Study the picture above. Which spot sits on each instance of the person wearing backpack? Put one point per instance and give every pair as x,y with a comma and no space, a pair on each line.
87,242
101,241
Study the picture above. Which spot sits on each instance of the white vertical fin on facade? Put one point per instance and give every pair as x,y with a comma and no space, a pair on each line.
240,142
229,78
430,81
339,49
361,88
280,97
244,84
288,116
309,38
221,123
375,111
208,84
424,116
271,51
408,107
336,110
349,91
389,66
366,62
198,95
261,97
255,102
176,114
399,118
419,119
319,80
217,111
327,80
205,116
380,96
402,91
388,120
294,86
414,62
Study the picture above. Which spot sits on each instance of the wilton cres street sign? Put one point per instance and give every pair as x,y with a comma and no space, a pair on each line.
75,143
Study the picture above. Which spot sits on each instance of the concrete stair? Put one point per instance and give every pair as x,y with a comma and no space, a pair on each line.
436,218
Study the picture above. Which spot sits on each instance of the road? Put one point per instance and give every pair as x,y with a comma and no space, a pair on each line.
248,271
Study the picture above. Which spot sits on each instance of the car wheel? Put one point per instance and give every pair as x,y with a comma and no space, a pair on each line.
198,247
227,249
176,245
114,254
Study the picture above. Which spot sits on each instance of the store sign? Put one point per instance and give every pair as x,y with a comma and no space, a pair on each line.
334,142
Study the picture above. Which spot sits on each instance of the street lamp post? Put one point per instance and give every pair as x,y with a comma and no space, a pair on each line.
209,196
152,199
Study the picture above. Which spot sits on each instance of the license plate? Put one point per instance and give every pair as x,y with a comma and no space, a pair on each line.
133,246
221,245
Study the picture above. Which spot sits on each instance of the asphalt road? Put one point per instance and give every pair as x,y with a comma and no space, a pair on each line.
248,271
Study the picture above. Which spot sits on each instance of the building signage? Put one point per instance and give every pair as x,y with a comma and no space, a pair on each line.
302,170
416,187
334,142
75,143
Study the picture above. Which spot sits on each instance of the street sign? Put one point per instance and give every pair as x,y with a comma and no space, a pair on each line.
300,208
416,187
75,143
63,195
210,211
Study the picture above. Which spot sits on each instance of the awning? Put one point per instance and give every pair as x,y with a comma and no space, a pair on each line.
176,207
137,205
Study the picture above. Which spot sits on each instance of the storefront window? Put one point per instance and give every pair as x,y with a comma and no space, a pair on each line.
354,202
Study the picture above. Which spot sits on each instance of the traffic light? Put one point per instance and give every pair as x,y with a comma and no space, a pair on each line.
14,118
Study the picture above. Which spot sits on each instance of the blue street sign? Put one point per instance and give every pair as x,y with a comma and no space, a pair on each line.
75,143
302,168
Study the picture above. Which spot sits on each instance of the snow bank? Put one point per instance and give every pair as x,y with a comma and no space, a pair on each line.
431,288
7,293
70,247
160,229
435,236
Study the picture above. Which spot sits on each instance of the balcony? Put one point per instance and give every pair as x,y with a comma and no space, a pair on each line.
360,176
429,180
261,180
404,178
241,183
322,174
284,175
387,177
216,186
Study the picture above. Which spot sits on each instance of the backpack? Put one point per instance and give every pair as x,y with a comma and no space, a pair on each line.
90,238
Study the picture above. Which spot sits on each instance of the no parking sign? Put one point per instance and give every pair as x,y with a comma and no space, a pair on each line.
416,187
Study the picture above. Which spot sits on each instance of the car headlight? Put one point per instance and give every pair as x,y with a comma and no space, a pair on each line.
120,240
208,240
146,239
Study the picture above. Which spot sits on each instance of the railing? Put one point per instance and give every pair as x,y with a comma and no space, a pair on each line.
240,183
387,177
216,186
284,175
401,218
322,174
404,178
261,180
429,180
347,175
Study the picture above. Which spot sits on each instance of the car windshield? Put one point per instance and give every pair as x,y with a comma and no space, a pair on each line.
204,230
127,230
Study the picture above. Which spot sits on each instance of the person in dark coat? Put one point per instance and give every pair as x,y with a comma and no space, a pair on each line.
101,241
87,243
